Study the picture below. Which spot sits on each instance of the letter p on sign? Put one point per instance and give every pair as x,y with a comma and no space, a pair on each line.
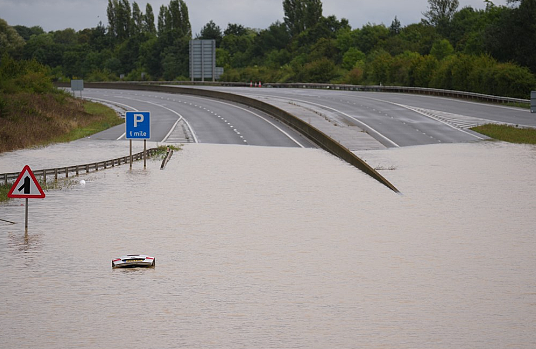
138,118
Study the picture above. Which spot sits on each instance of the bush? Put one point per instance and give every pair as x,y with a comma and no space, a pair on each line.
354,77
320,71
422,70
24,76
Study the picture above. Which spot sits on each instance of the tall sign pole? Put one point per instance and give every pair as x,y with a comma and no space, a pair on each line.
26,187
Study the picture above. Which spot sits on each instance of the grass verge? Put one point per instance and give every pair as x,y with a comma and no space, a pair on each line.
508,133
30,119
102,119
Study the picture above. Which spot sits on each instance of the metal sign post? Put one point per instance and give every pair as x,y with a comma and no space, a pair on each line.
26,187
26,216
533,102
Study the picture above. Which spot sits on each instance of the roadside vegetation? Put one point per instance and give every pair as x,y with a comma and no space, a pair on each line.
35,113
508,133
486,50
4,189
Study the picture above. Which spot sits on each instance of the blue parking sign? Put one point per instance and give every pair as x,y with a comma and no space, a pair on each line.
138,124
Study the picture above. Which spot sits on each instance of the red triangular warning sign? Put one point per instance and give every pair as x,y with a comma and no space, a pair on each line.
26,186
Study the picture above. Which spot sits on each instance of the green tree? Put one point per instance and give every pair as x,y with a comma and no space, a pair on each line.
466,28
211,31
395,27
173,21
43,49
120,19
423,70
440,13
379,63
512,36
27,33
67,37
442,49
419,38
148,20
10,41
400,72
301,14
371,36
235,29
138,24
320,71
23,76
352,57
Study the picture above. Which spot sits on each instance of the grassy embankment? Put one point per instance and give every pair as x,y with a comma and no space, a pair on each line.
508,133
34,113
30,120
41,119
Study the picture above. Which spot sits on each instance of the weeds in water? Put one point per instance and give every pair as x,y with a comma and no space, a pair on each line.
161,151
4,189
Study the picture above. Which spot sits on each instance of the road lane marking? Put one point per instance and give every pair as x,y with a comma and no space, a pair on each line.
268,121
347,115
173,127
114,102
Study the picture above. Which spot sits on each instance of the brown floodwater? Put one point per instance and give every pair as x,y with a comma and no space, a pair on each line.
260,247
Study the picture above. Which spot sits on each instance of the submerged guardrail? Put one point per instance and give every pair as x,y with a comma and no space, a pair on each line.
6,178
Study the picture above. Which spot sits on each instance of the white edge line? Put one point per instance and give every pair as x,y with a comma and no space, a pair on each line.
347,115
180,117
268,121
172,128
113,102
423,114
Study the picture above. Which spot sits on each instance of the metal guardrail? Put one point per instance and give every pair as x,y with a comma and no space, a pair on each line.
369,88
6,178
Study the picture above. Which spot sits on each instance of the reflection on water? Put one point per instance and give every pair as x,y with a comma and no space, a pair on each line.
280,248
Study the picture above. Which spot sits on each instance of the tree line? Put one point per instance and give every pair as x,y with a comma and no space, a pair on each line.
487,51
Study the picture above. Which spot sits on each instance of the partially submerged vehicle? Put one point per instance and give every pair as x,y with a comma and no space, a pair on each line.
134,260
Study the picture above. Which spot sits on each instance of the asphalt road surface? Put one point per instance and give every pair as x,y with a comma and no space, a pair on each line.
397,119
202,120
393,119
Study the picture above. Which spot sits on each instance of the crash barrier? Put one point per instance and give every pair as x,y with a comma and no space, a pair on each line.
318,137
77,169
366,88
413,90
169,154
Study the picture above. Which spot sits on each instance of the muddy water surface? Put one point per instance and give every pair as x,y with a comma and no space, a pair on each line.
277,248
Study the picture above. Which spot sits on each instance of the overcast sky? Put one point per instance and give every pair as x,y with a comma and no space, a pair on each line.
81,14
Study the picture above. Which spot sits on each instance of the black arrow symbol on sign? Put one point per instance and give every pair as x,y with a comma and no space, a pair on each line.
25,186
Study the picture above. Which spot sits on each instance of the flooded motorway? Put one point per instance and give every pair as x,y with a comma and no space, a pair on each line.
263,247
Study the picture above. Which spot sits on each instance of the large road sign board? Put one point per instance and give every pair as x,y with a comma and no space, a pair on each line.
138,124
26,186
